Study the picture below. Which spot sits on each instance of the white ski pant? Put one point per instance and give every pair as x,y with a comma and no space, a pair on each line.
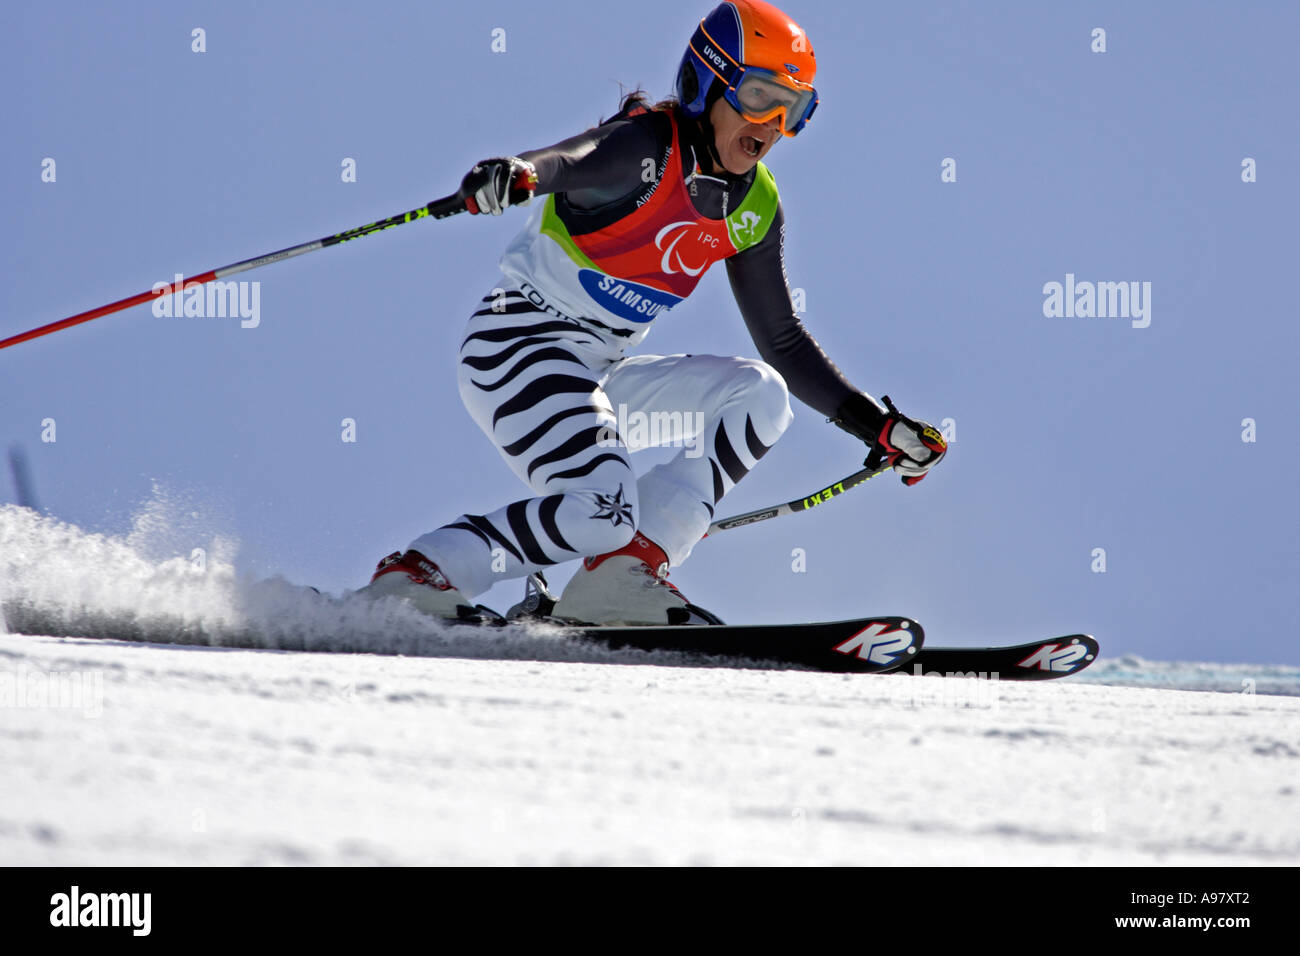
565,409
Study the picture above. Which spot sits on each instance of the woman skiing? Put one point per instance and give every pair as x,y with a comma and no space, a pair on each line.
635,211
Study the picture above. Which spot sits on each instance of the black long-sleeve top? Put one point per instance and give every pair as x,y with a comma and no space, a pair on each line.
604,166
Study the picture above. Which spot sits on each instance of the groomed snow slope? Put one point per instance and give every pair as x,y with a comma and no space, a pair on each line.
207,755
138,752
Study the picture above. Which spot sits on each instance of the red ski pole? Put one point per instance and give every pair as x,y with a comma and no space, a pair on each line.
438,209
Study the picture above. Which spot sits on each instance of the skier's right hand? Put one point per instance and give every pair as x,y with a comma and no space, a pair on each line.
495,184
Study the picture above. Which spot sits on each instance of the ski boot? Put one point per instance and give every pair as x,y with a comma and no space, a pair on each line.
629,586
418,581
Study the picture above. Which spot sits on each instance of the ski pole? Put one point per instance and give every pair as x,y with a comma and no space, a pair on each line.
798,504
438,209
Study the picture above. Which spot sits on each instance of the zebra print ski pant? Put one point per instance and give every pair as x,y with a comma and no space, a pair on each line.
565,409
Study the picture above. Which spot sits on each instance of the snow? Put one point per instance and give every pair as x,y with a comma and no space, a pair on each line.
217,756
467,750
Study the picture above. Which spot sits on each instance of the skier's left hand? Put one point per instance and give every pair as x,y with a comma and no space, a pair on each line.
494,185
912,447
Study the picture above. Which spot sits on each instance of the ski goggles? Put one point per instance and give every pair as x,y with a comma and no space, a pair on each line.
756,93
761,94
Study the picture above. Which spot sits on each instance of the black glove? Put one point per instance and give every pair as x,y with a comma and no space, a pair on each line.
910,446
496,184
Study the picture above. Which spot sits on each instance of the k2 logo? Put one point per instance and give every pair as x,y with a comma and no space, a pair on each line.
876,644
1055,657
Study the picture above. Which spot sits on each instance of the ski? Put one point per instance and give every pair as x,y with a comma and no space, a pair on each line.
869,645
1040,660
865,645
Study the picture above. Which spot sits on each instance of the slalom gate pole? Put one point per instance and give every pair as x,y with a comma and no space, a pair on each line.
438,209
798,504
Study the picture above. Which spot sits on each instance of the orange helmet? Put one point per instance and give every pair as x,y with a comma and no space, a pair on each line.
762,59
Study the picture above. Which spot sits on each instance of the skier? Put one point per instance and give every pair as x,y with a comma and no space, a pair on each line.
636,210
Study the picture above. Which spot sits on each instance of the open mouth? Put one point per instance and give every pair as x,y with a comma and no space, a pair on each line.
751,145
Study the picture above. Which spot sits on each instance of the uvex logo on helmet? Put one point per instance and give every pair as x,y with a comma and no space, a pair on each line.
712,54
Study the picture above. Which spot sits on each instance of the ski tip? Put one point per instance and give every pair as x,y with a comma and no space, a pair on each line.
1054,657
1060,656
1039,660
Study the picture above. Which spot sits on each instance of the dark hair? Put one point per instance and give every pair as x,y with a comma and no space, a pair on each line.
640,98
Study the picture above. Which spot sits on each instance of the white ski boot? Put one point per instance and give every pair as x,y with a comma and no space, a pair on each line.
628,586
418,581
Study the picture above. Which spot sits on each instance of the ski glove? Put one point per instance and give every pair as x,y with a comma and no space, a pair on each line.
910,446
496,184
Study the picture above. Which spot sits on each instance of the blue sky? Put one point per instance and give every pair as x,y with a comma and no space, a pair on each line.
1072,434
